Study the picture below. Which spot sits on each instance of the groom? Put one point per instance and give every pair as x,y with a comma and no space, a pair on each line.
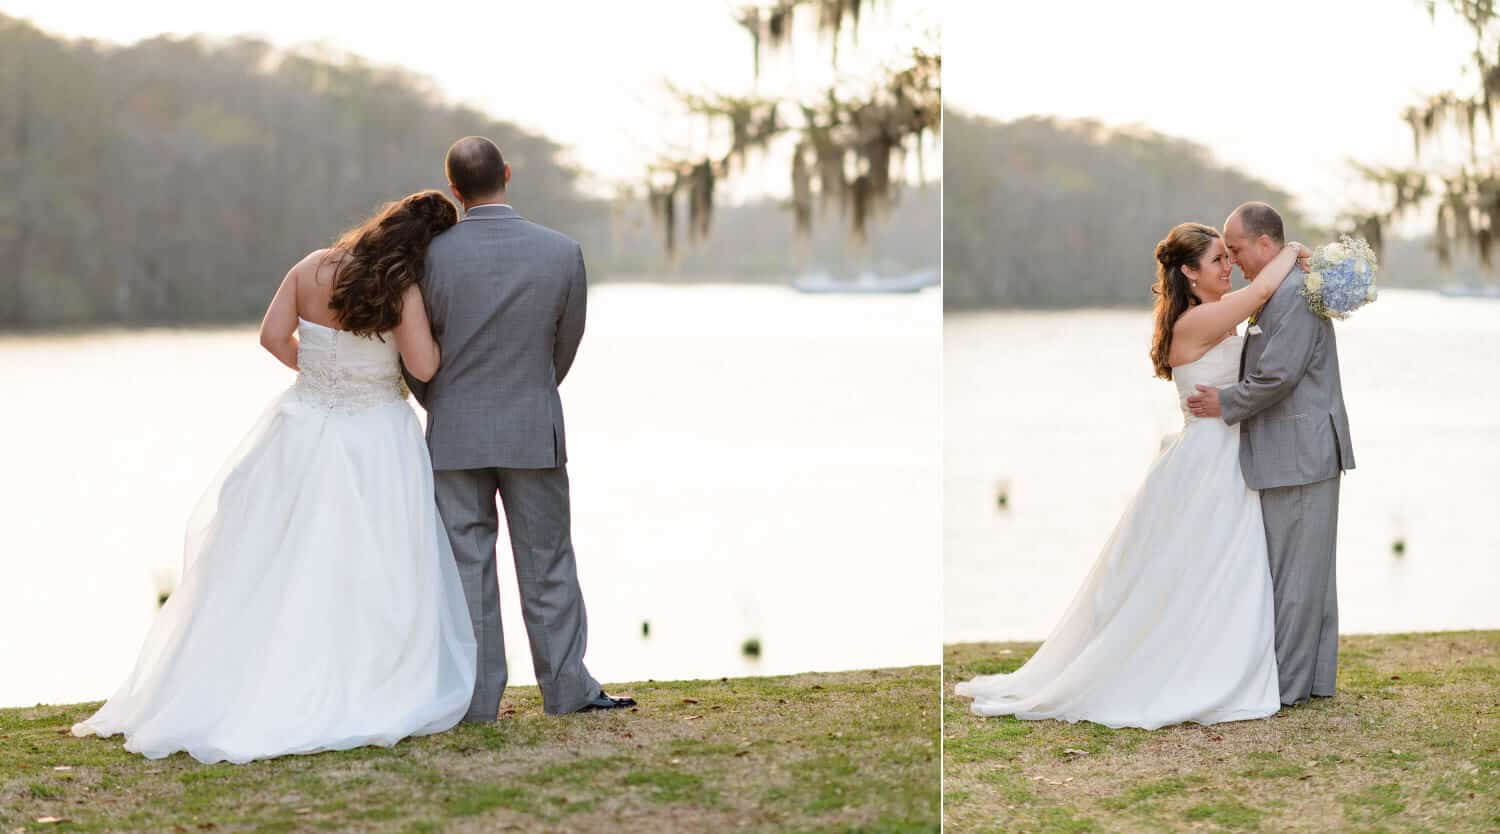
506,299
1294,446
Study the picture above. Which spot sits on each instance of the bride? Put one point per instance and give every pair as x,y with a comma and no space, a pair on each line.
1174,621
320,606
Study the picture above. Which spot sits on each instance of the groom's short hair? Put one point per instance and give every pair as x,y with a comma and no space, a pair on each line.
475,167
1258,219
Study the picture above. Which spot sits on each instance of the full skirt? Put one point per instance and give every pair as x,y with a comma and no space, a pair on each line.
320,607
1174,623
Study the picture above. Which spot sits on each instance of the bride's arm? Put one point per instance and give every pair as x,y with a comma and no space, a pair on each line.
278,329
419,350
1207,323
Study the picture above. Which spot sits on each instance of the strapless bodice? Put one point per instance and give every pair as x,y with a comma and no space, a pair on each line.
1217,368
344,372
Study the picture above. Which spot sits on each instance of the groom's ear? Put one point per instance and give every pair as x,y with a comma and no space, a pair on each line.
505,179
457,196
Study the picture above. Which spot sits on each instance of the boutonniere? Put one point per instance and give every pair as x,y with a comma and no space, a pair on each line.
1254,329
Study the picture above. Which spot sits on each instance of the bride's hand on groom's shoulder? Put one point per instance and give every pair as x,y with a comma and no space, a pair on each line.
1304,256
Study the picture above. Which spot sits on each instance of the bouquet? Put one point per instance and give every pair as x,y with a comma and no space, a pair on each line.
1342,279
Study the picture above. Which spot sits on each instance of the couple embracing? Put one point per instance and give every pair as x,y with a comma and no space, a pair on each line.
339,586
1214,599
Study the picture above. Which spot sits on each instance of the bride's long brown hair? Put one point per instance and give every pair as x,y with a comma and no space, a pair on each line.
381,257
1184,245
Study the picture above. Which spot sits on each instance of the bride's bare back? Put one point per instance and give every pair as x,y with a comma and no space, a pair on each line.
305,293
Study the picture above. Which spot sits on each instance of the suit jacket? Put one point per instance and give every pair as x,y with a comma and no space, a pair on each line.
506,298
1289,399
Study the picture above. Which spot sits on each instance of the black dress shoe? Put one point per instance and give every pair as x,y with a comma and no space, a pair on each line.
602,701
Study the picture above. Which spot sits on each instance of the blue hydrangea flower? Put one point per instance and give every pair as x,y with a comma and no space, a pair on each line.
1342,279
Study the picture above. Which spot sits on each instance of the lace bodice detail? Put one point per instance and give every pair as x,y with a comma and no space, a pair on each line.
1218,368
346,373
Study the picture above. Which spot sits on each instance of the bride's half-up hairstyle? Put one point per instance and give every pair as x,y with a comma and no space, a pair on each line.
1182,246
381,257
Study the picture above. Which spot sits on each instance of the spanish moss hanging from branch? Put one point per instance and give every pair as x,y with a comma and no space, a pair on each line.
843,148
771,25
1463,196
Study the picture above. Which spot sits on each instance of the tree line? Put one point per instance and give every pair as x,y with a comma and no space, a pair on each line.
176,179
1047,213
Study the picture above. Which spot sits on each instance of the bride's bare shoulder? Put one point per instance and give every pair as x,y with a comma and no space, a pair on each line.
327,255
1188,343
319,265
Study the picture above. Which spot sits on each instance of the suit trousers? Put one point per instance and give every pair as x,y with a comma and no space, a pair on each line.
1301,537
537,515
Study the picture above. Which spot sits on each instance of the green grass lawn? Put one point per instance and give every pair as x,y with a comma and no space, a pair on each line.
1411,743
853,752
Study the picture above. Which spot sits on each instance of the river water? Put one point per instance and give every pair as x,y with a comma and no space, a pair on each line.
746,463
1061,412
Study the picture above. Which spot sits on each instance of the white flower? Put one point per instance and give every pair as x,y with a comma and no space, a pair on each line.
1335,252
1371,293
1254,330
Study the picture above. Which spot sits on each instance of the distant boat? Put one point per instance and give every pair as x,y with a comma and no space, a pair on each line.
1470,292
866,282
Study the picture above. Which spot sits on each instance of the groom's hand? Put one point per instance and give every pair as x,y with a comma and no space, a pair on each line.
1205,403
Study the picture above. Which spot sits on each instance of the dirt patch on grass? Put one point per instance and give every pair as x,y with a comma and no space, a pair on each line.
847,752
1411,743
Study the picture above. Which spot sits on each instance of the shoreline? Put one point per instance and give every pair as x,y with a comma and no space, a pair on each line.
609,686
1037,641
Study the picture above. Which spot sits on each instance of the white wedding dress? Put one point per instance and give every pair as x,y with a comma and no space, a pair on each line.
320,607
1174,621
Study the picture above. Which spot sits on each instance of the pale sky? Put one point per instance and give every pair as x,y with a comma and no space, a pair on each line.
1224,74
587,73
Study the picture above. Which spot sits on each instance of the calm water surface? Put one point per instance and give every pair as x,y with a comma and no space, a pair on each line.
1061,411
745,462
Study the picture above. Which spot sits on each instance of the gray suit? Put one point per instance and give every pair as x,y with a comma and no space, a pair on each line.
506,298
1294,446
